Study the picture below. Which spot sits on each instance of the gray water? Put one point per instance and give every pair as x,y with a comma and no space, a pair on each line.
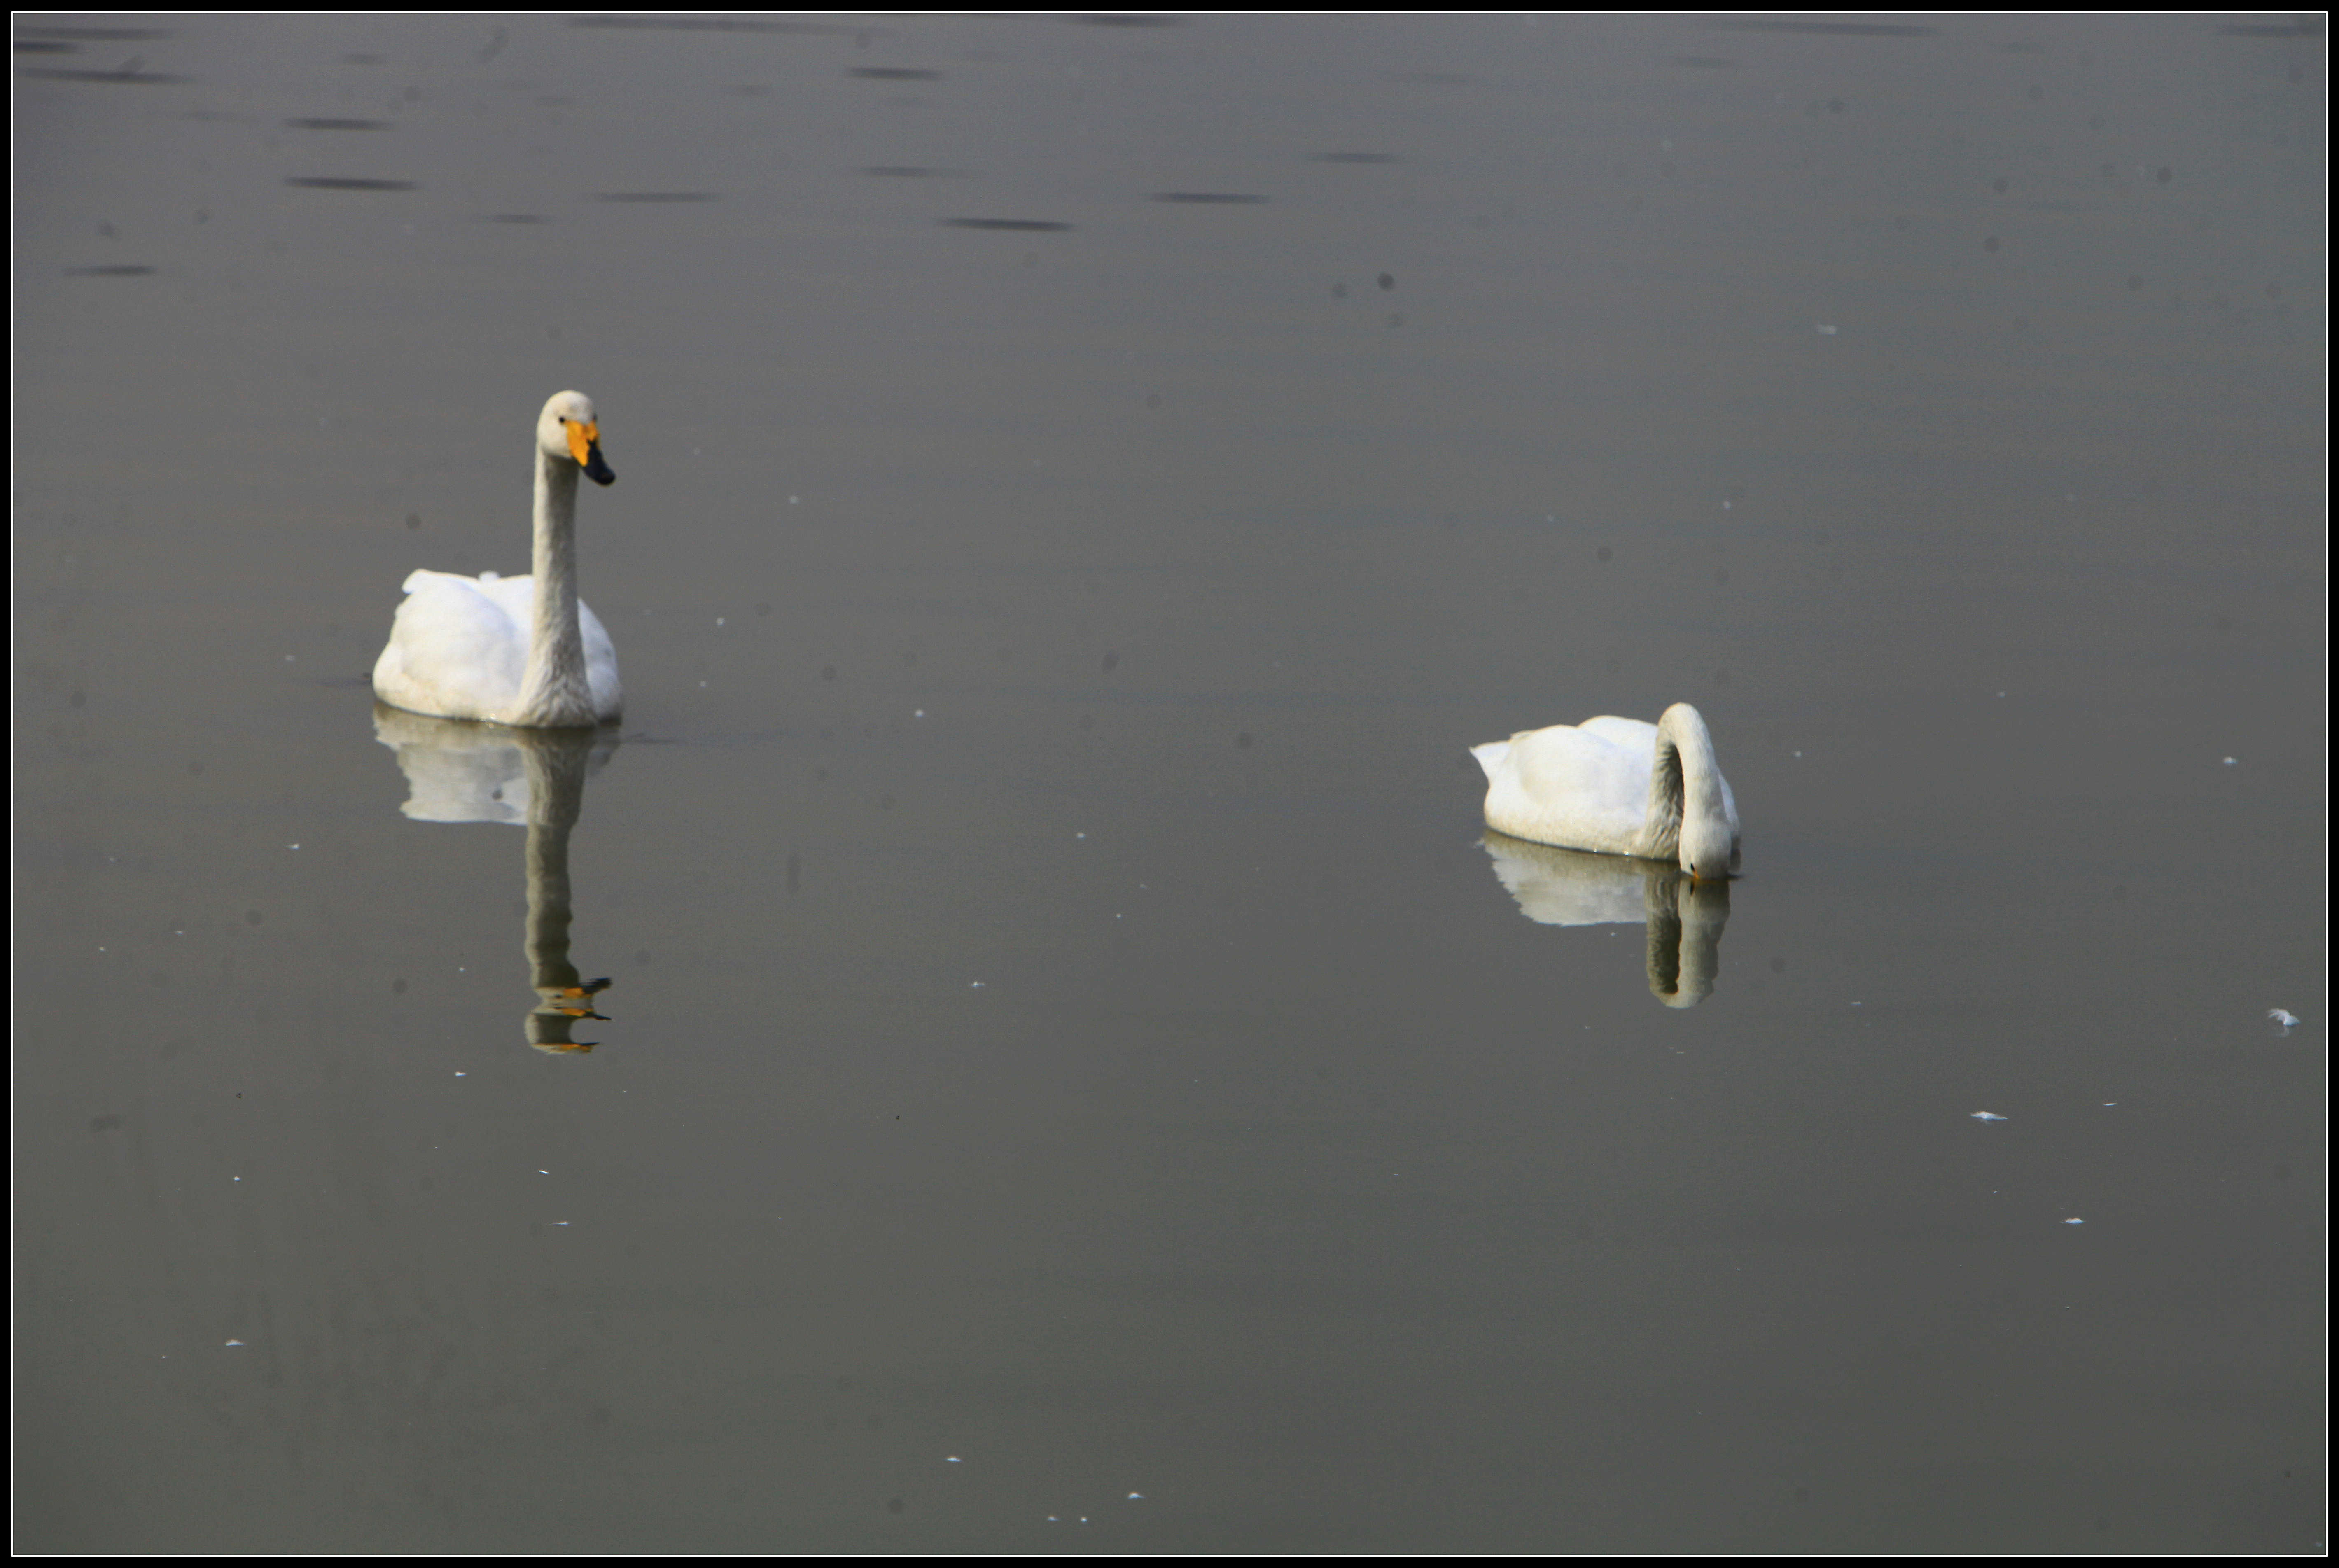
1074,1077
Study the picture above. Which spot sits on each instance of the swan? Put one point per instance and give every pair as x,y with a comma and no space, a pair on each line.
1618,787
498,648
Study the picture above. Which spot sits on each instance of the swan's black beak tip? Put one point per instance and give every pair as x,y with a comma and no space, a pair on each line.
598,470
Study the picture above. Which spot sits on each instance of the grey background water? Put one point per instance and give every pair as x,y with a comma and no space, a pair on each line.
1072,1078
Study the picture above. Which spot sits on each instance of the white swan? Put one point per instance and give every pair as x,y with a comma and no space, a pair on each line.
514,650
1618,787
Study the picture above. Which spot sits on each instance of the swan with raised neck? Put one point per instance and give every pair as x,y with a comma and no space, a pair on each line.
523,651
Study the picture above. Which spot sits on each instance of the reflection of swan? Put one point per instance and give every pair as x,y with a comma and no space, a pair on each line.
1617,787
1566,887
498,648
460,773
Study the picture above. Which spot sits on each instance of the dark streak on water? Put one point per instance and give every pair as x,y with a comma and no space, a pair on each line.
125,78
339,182
1011,226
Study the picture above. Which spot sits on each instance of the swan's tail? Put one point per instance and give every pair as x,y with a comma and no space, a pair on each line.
1490,755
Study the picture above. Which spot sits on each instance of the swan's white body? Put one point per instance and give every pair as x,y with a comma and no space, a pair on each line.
1617,787
514,650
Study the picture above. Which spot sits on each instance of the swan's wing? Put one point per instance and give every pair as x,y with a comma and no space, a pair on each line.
455,650
600,664
1571,786
515,597
1632,736
1577,764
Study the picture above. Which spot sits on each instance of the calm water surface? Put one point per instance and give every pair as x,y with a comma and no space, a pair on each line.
1073,1076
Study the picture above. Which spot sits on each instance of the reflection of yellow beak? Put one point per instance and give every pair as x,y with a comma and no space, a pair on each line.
582,438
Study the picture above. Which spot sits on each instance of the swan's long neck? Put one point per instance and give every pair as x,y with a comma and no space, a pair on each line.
1686,819
554,690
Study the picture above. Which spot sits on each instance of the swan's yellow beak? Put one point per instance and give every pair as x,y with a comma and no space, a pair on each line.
585,446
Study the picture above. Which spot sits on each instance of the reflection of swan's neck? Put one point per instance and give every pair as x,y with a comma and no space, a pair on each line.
1685,795
1685,920
554,690
555,796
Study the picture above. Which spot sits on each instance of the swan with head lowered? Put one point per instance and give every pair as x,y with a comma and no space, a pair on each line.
521,651
1618,787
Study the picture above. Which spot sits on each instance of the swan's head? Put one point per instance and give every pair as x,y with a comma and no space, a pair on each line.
568,429
1705,848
